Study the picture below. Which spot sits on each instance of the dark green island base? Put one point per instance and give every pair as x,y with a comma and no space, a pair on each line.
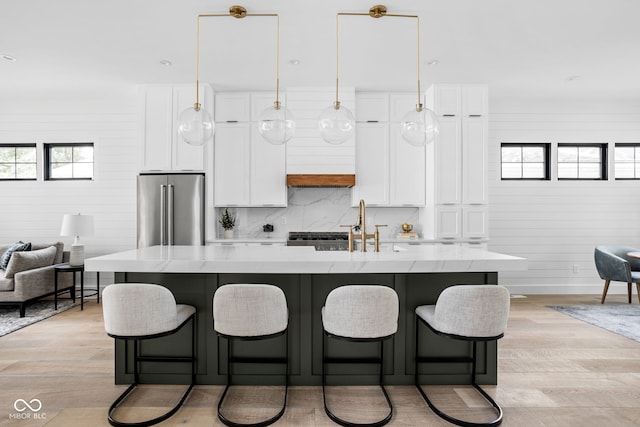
306,294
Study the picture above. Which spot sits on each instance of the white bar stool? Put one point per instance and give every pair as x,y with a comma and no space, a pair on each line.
359,313
141,311
251,312
470,313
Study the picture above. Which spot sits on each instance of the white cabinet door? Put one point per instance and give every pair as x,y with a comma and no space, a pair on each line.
444,100
475,222
474,100
157,128
407,171
268,184
162,147
372,107
448,222
447,165
372,164
474,161
187,157
232,107
232,164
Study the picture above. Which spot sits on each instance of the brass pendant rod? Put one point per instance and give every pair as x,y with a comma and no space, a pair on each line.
337,103
238,12
376,12
277,103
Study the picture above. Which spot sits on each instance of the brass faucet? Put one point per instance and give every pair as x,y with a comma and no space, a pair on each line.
361,225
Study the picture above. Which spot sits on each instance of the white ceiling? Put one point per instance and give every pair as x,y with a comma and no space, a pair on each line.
521,49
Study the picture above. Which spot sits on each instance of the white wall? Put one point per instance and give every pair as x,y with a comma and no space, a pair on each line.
557,224
33,210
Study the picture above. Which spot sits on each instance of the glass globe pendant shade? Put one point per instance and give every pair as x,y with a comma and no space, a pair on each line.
276,125
419,127
195,126
336,124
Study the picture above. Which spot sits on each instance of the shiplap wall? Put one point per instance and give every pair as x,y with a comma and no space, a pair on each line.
556,224
33,210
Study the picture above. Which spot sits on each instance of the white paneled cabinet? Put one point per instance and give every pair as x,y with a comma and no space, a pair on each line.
461,188
162,147
372,164
389,171
248,171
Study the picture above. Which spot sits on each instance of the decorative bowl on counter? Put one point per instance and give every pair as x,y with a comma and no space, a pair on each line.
407,227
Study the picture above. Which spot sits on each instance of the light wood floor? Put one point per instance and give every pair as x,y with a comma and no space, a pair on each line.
553,371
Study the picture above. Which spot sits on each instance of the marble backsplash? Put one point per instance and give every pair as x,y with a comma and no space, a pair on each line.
316,209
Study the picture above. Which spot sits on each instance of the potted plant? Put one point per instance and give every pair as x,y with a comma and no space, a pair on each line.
227,221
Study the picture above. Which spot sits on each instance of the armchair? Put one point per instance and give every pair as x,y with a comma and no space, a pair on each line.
613,264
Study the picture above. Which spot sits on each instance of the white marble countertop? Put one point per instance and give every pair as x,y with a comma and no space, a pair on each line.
396,258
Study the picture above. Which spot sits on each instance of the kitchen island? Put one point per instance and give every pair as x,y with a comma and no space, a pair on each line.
418,273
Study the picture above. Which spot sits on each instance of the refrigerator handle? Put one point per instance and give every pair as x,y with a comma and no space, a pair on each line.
163,211
170,215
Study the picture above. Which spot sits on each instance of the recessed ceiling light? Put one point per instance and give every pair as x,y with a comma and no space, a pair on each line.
8,58
166,62
433,62
294,62
572,78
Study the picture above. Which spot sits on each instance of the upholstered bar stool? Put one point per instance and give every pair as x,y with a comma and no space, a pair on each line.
359,313
470,313
250,312
142,311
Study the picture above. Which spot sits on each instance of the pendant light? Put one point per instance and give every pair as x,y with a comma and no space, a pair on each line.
276,123
419,126
195,124
336,123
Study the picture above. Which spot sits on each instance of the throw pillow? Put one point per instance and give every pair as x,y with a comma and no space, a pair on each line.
16,247
28,260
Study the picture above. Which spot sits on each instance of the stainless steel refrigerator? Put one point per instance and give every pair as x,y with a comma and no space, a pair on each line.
170,209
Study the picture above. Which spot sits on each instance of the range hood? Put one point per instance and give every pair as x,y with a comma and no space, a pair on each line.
321,180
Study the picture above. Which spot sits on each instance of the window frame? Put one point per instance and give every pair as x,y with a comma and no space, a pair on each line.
546,147
47,160
603,160
25,145
636,161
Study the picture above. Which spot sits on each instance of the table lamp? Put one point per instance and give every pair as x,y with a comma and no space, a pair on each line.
77,225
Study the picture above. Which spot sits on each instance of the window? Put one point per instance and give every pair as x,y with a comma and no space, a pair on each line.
18,162
525,161
68,161
582,161
627,161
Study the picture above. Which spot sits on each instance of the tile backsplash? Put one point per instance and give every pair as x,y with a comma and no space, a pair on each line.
316,209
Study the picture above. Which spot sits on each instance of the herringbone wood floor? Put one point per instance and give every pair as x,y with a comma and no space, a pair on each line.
553,371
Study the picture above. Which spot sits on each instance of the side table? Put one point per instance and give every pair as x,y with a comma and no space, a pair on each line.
67,268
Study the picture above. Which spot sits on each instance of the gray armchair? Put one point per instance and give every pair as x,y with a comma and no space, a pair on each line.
613,264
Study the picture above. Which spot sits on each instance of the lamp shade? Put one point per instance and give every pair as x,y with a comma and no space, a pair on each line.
77,225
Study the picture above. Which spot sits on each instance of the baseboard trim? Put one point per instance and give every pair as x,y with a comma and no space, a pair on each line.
616,288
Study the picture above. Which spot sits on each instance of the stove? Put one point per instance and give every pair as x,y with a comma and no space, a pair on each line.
321,240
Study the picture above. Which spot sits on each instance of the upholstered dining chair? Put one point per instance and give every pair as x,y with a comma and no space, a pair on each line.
143,311
475,313
364,314
614,264
251,312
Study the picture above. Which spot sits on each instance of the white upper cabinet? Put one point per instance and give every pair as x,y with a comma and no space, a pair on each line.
232,164
372,164
162,147
372,107
474,161
233,107
307,152
389,171
248,171
407,171
445,101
